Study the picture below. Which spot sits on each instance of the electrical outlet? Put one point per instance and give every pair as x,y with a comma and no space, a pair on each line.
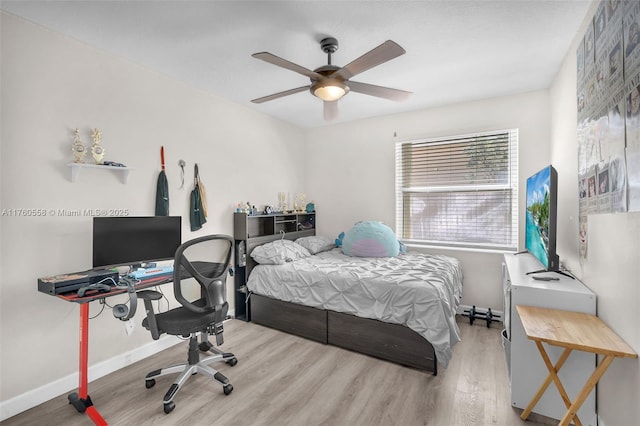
129,326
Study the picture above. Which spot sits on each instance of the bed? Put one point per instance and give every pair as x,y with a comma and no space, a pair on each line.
400,308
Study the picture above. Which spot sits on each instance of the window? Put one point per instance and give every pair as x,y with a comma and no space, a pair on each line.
459,191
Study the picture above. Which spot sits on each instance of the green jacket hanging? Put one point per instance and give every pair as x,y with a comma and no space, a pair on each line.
196,210
162,190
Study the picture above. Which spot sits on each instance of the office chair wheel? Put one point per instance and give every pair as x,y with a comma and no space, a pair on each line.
232,361
227,388
169,406
150,383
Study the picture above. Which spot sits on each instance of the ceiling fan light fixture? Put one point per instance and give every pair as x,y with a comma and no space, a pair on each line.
330,83
329,90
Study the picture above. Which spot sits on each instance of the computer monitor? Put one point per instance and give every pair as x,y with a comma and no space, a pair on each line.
119,241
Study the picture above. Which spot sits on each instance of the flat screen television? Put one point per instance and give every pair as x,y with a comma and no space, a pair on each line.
541,218
135,240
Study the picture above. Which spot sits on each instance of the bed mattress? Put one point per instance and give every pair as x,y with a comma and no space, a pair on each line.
417,290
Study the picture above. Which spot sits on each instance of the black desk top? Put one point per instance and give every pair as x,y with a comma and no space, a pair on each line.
206,268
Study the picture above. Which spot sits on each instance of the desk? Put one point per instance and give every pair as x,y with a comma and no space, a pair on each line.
570,330
81,400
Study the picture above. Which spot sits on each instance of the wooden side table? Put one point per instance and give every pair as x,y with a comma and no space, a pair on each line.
570,330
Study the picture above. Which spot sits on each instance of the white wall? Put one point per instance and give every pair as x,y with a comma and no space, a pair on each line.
352,175
52,84
611,268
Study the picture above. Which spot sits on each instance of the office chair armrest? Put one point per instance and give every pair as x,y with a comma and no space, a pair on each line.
149,295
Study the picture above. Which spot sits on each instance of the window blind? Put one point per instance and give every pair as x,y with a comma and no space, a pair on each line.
459,191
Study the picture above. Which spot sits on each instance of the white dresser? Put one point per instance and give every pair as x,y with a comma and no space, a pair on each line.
526,368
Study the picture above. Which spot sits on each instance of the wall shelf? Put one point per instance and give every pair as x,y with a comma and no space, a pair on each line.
76,167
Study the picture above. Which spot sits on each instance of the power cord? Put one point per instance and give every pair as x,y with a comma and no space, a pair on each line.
98,314
108,279
159,290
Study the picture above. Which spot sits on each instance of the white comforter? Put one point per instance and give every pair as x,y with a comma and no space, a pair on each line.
417,290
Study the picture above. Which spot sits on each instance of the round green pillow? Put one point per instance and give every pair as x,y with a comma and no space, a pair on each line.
370,239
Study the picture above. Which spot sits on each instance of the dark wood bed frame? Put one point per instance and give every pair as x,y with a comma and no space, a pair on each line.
391,342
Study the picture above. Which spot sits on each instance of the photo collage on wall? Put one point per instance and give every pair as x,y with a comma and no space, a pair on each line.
608,103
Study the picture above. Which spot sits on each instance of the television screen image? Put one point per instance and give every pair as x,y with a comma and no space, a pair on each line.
135,240
541,211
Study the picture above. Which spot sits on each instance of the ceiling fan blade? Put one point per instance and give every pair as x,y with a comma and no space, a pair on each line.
381,54
280,94
276,60
379,91
330,110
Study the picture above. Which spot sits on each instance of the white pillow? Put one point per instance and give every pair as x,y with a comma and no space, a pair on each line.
279,252
316,244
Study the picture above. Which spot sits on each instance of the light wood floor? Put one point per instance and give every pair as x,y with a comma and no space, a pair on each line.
281,379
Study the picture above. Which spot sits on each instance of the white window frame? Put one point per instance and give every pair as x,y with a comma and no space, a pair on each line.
511,185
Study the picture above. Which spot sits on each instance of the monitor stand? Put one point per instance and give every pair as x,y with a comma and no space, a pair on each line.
557,272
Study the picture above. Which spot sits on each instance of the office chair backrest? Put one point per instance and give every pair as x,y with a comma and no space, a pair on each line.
213,254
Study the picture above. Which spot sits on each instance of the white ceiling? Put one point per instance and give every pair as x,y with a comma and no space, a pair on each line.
457,51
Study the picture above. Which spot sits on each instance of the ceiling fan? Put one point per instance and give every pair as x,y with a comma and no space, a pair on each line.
330,82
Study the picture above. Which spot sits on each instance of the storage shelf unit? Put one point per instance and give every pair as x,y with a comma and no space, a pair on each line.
252,230
524,363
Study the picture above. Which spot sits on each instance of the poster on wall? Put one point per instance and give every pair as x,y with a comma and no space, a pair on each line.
612,57
582,223
633,163
592,194
632,129
631,26
612,152
580,62
614,12
618,183
599,25
608,106
589,47
632,124
603,189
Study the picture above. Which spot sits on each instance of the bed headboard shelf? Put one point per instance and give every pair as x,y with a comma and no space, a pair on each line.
251,231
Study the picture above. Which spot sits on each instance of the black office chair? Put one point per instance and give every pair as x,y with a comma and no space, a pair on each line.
200,317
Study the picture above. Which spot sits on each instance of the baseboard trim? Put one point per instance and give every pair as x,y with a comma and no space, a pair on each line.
44,393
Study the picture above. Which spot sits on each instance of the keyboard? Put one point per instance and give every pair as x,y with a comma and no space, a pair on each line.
142,273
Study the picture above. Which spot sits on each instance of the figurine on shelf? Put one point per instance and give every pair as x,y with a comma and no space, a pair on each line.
302,202
78,149
97,151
